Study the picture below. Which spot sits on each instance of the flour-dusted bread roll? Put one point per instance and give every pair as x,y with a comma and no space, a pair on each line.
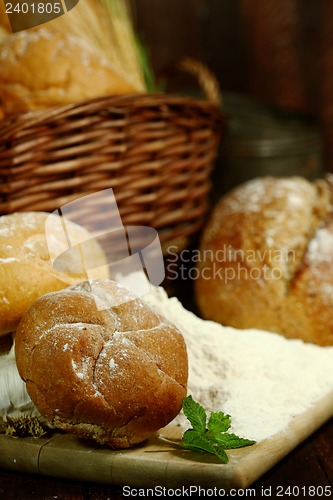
42,69
26,268
267,259
101,364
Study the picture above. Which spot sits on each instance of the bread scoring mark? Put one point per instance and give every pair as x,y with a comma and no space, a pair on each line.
142,354
85,288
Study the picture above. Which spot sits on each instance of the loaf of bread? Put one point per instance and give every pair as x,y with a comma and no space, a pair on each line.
41,69
266,259
100,364
26,265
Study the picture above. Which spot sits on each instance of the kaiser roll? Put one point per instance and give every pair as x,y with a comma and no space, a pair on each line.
26,269
266,259
100,364
41,69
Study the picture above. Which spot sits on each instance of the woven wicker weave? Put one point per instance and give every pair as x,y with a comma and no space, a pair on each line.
154,150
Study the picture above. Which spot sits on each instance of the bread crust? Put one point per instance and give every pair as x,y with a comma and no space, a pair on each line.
276,272
111,372
26,269
42,69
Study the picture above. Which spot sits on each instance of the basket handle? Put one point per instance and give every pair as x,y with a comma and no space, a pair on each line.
206,78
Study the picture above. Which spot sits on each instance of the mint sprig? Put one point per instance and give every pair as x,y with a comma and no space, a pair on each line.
212,436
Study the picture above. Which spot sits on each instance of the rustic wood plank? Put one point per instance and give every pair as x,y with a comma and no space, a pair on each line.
157,462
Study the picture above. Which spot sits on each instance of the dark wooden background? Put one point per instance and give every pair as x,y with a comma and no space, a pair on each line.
208,30
280,51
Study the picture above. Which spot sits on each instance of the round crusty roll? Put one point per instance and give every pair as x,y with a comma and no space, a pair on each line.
41,69
100,364
26,261
266,259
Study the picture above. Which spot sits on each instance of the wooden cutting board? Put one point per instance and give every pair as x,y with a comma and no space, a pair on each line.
157,463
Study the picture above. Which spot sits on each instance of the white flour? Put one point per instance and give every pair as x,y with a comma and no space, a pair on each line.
261,379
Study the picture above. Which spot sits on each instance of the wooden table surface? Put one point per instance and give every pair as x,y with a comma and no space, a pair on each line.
307,471
308,466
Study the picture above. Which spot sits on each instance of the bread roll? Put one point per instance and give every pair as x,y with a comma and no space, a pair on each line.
26,270
41,69
101,364
266,259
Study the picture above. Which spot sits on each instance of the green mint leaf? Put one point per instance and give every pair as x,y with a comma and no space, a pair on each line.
195,441
221,454
195,413
218,422
191,436
230,441
212,439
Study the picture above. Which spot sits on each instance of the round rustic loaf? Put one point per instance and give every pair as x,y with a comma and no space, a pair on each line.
26,268
100,364
266,259
41,69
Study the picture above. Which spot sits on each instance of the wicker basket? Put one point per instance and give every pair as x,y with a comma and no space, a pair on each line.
155,151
